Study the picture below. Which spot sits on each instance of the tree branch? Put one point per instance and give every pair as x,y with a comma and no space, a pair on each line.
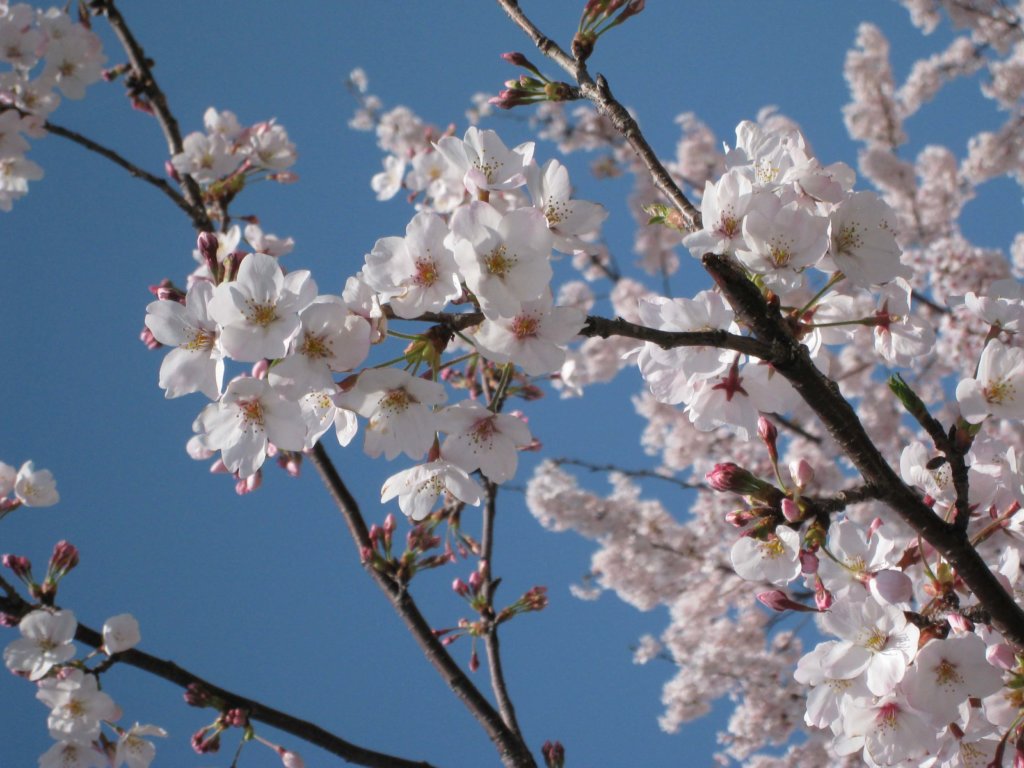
792,359
309,732
597,91
514,752
491,643
161,111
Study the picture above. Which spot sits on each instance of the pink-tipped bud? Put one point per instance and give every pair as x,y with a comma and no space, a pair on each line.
476,581
791,510
365,554
63,559
822,597
197,696
960,623
246,485
390,524
146,337
729,477
208,244
20,566
291,463
235,718
1001,655
769,436
290,759
553,753
801,472
460,587
204,745
375,534
808,562
474,662
171,171
779,601
517,59
739,518
260,369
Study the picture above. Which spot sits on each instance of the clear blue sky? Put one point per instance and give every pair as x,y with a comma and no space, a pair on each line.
263,594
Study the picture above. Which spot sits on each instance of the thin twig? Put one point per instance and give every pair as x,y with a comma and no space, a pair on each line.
628,472
514,752
15,606
491,643
596,90
161,111
129,166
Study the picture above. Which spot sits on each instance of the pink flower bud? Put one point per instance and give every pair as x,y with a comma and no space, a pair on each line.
260,369
291,759
171,171
822,597
960,623
553,754
203,744
474,662
459,587
20,566
476,581
236,718
779,601
801,472
769,436
197,696
808,562
208,244
1001,655
146,337
732,477
63,559
791,510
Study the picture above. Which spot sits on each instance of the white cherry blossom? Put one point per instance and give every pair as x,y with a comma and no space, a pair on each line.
259,310
46,641
418,488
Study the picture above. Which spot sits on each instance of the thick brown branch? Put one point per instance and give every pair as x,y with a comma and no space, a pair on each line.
15,606
792,360
514,752
597,91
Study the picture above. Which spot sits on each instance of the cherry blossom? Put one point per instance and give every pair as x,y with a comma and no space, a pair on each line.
415,274
259,310
196,364
397,405
485,161
46,641
249,416
998,388
418,488
481,439
35,487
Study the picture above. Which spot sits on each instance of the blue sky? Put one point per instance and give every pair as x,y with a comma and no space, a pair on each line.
263,594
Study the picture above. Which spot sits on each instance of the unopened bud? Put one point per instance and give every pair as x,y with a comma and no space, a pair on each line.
146,337
553,753
822,597
459,587
197,696
290,759
474,662
171,171
801,472
20,566
791,510
808,562
779,601
769,435
208,244
735,479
